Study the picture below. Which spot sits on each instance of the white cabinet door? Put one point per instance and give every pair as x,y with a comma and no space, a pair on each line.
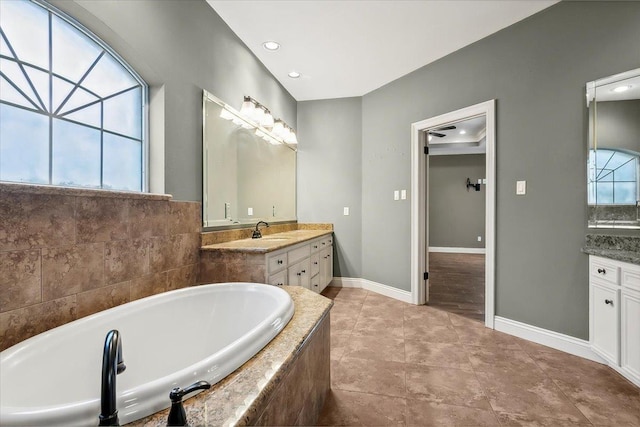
630,333
605,321
326,267
300,274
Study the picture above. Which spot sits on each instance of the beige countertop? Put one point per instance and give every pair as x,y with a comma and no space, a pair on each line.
237,399
268,243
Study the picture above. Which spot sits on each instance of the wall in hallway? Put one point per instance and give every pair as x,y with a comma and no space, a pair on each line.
536,70
456,214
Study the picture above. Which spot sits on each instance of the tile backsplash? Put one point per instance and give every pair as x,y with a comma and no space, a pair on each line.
69,253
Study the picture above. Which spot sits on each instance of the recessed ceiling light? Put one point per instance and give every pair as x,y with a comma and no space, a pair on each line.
294,74
462,132
621,88
271,45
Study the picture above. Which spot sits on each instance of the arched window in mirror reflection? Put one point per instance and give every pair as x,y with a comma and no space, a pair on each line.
72,113
613,177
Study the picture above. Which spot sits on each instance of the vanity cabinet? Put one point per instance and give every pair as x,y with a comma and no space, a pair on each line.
308,264
614,314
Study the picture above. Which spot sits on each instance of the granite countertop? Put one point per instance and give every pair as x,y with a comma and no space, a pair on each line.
237,399
268,243
617,247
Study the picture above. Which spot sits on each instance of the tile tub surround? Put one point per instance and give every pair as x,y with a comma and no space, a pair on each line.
394,363
284,384
66,253
243,260
621,248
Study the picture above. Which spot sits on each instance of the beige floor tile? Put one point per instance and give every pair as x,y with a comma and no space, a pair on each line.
346,408
373,348
428,315
339,344
517,420
483,358
485,337
422,413
342,323
527,393
370,376
445,385
416,330
445,355
379,327
351,294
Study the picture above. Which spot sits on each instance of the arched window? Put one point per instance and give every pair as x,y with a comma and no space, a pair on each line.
613,177
72,113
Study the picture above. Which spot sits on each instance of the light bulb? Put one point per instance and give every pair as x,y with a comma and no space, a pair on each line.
278,128
462,132
291,139
267,120
248,107
285,133
258,114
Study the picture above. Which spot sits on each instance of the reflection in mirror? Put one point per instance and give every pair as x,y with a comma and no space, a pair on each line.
245,178
613,180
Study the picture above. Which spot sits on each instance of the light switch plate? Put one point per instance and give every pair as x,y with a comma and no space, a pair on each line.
521,188
403,194
484,181
396,195
345,210
250,211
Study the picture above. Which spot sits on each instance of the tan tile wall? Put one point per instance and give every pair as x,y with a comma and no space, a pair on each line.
65,256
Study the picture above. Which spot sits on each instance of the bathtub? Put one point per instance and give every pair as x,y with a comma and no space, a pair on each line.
168,340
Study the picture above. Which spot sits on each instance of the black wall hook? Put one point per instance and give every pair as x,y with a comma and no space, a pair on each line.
472,185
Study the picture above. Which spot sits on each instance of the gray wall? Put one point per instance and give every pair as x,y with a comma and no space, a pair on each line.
330,174
456,215
537,70
185,47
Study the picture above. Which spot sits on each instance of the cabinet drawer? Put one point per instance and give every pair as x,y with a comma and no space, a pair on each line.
326,242
604,270
277,262
315,263
630,278
278,279
316,245
297,254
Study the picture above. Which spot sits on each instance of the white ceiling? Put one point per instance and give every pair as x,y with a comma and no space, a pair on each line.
348,48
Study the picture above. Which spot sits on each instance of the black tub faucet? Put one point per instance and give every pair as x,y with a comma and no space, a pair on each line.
256,233
112,365
177,414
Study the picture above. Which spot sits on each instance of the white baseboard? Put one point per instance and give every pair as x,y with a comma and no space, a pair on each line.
379,288
552,339
457,250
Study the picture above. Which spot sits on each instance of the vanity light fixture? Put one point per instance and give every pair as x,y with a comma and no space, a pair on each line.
271,45
253,115
294,74
620,89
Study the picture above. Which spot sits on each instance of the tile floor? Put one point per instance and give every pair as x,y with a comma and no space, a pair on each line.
394,363
456,283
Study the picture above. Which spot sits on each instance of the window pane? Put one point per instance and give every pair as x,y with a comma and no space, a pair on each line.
618,159
76,155
625,193
24,146
627,172
604,192
108,77
40,81
122,113
73,52
80,98
61,90
605,175
15,75
10,94
26,25
122,163
89,115
4,48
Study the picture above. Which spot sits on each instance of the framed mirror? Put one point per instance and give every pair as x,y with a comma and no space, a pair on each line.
246,177
613,170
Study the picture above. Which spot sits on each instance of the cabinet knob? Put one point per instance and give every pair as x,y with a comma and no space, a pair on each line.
602,271
315,246
323,243
279,261
315,286
608,301
280,284
304,271
315,262
299,274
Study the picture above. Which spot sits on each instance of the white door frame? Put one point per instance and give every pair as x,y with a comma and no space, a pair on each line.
418,201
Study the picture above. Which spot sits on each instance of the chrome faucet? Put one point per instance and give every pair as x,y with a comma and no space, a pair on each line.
256,233
112,365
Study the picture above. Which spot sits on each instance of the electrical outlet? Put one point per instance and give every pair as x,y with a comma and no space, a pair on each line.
403,194
345,210
484,181
396,195
479,180
521,188
479,238
250,211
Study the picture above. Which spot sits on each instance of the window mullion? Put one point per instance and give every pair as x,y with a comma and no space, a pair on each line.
50,98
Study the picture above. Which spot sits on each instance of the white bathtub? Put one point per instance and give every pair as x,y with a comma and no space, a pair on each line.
168,340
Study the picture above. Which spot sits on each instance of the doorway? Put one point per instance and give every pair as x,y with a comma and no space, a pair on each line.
421,149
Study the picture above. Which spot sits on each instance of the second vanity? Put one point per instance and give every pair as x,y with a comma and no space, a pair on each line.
295,257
